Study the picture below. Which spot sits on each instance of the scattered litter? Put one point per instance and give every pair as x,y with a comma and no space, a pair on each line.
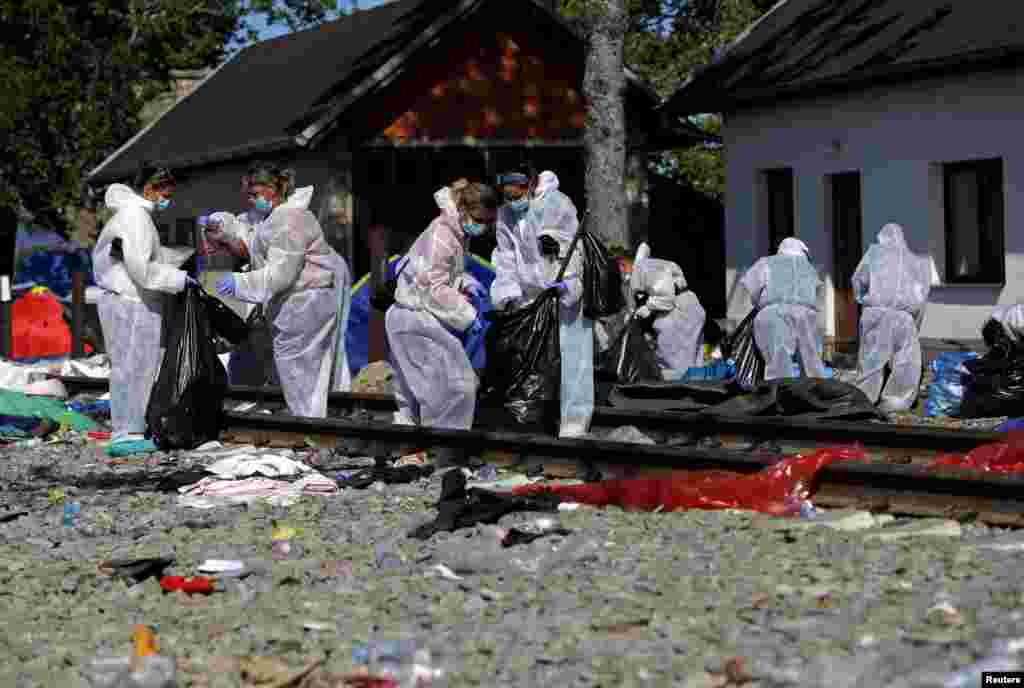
245,407
197,585
143,669
397,475
844,520
227,568
136,569
417,459
317,626
946,393
269,465
444,572
211,492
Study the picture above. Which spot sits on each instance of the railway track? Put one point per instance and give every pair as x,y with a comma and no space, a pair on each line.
893,480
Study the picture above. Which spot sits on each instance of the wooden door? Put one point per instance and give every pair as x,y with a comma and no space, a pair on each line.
847,250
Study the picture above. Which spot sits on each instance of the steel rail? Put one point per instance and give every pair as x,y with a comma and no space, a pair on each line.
886,435
894,488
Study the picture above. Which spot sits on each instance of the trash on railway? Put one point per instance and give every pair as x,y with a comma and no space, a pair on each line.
771,490
998,457
996,383
946,392
186,404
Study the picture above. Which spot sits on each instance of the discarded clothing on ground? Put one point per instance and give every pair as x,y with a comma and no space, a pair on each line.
390,475
212,492
269,465
136,569
777,489
460,507
996,384
514,536
24,406
807,398
998,457
18,427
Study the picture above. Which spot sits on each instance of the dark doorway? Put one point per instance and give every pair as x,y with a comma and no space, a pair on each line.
847,235
780,215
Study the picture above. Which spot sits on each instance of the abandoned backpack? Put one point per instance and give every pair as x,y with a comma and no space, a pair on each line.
383,296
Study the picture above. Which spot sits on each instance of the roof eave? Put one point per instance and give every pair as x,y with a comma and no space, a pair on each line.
701,96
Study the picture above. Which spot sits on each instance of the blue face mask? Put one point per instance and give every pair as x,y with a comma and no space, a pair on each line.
473,228
262,205
163,204
520,206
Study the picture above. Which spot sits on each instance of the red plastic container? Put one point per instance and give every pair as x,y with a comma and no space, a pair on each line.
38,329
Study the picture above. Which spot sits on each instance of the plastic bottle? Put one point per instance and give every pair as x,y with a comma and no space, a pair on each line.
401,660
72,510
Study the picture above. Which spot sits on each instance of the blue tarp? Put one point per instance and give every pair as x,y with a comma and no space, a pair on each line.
52,269
357,337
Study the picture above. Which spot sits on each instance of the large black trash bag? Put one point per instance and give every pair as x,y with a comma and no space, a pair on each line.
524,362
994,385
186,404
252,361
631,358
602,279
742,349
225,322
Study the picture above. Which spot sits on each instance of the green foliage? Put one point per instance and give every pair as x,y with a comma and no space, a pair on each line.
665,41
77,75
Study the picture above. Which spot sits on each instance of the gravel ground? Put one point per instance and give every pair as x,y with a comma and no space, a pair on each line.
703,599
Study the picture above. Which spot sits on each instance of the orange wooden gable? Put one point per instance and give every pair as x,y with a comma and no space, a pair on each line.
494,86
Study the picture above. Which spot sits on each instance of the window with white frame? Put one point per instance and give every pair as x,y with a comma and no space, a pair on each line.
974,223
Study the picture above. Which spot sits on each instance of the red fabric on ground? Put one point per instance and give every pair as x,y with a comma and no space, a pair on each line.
998,457
766,491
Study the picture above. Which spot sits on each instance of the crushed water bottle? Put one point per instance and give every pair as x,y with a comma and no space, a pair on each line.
72,510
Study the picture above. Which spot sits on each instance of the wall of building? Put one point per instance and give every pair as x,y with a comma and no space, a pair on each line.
896,138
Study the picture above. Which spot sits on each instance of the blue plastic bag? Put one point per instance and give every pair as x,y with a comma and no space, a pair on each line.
946,392
719,370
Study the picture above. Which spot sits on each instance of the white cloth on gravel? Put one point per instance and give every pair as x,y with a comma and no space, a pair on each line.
213,492
269,465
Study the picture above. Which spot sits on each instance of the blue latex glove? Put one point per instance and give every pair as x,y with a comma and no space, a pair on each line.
226,285
191,281
475,329
561,287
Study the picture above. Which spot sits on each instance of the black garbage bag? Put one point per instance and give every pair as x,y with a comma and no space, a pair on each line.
602,279
630,359
225,322
742,349
252,361
186,404
994,385
524,362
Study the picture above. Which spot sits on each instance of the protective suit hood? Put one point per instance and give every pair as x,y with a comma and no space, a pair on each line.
445,202
300,198
891,235
547,181
794,247
119,196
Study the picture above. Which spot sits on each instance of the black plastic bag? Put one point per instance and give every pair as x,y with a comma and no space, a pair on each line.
631,358
995,384
252,361
602,279
524,362
742,349
224,321
186,404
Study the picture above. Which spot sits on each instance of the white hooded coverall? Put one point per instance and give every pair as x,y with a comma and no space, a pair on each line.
304,286
679,318
435,382
893,286
784,287
130,306
522,273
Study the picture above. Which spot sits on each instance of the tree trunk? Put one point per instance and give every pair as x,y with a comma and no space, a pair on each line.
604,138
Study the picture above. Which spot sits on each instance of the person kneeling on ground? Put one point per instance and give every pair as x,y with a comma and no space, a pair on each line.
670,311
130,303
435,384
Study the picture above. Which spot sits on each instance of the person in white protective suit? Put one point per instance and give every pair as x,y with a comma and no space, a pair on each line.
435,382
535,228
303,286
784,287
893,285
130,302
673,312
243,366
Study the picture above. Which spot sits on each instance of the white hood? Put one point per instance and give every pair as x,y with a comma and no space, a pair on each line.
891,235
547,181
300,198
119,196
445,202
793,247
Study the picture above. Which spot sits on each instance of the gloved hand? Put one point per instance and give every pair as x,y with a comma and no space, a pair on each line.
191,281
475,329
226,285
548,246
643,312
561,287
